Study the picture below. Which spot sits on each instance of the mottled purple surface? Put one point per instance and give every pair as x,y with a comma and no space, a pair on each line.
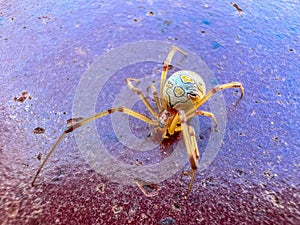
45,48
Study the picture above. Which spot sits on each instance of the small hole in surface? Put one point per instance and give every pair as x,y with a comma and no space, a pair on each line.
276,139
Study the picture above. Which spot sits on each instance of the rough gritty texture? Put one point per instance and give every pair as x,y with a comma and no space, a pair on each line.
46,46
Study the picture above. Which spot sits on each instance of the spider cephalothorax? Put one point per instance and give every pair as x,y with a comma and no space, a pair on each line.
181,96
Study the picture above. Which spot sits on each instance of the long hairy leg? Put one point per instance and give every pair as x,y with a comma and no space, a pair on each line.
166,65
155,95
204,113
213,91
88,120
191,147
133,88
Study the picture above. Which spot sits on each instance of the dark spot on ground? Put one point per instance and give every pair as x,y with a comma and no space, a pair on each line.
23,97
138,162
237,7
276,139
39,157
240,172
176,207
39,130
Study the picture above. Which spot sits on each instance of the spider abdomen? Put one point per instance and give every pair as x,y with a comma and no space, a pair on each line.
183,90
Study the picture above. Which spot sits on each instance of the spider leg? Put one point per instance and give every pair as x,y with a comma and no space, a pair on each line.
88,120
155,94
204,113
213,91
174,125
191,146
166,66
140,94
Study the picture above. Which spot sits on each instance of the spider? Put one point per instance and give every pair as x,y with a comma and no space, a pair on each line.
180,97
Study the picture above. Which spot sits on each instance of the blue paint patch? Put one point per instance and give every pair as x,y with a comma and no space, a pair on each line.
216,45
206,22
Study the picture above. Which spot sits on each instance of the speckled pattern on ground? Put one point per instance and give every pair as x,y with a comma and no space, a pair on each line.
46,46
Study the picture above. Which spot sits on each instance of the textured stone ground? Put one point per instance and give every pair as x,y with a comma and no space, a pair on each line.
45,48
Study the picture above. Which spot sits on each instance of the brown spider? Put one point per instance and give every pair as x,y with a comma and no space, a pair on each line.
181,96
